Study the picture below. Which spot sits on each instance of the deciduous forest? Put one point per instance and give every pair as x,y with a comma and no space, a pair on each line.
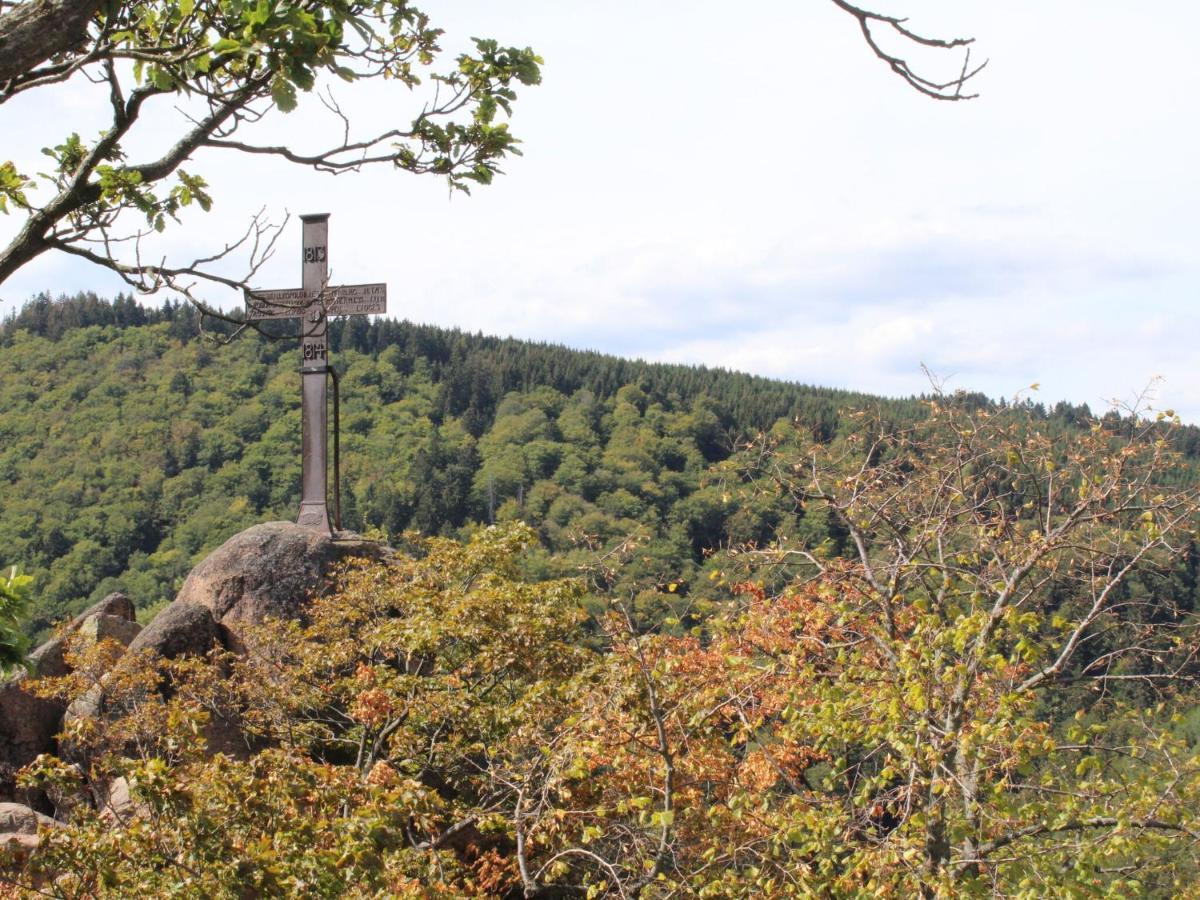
131,447
651,631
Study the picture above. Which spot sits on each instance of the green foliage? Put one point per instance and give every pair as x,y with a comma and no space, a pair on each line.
12,187
132,448
436,728
394,714
15,602
224,64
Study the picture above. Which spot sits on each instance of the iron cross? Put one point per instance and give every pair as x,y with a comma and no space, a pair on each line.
312,303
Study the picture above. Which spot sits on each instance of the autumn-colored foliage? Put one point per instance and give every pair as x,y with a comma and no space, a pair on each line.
980,696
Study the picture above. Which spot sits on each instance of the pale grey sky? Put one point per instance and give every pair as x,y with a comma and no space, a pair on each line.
746,186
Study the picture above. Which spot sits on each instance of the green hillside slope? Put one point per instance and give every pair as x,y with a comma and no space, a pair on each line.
130,445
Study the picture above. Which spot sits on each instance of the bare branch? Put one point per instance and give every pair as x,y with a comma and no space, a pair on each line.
938,90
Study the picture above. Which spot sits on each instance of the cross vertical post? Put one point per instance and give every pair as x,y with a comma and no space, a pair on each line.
314,368
313,303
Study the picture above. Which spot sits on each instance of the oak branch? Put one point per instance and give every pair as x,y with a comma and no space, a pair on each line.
226,64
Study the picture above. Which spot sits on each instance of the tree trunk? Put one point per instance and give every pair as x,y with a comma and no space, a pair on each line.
34,31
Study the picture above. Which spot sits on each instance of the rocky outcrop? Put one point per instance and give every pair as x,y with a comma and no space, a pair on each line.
115,604
28,723
268,571
19,827
271,570
101,627
86,706
18,819
182,629
113,617
119,805
48,660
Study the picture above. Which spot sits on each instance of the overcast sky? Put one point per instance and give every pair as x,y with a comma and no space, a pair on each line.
745,185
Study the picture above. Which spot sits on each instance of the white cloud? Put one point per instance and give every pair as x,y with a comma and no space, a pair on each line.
749,187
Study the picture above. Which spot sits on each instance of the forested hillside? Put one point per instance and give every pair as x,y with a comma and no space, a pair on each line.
130,445
824,644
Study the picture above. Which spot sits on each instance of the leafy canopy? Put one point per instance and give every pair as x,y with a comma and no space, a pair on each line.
227,64
981,696
16,601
